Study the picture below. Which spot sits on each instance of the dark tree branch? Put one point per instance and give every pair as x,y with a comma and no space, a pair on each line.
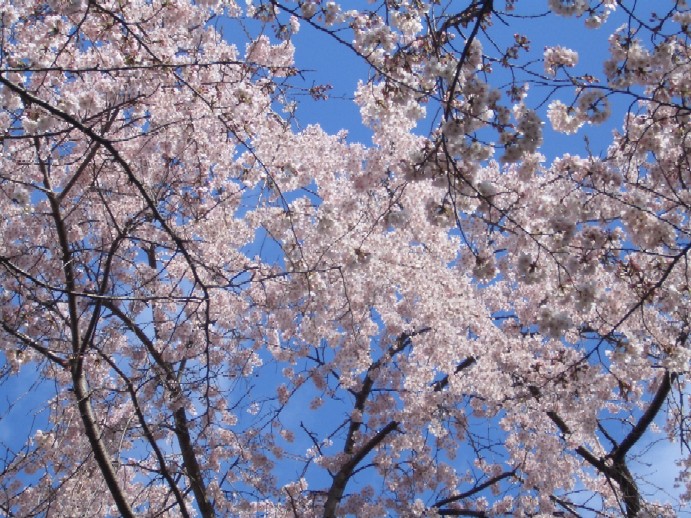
80,384
442,383
341,478
181,427
29,98
480,487
617,470
484,10
194,472
165,472
33,344
619,452
461,512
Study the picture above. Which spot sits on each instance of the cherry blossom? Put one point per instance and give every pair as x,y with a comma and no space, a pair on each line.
559,57
237,314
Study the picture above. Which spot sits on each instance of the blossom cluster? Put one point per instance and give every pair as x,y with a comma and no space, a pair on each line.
556,57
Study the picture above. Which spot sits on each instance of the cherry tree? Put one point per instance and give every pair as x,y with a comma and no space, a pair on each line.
236,315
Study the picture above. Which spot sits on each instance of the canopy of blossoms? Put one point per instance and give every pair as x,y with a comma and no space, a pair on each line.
235,315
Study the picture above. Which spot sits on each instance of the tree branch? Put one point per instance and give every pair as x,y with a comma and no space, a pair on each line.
341,478
194,473
646,419
80,385
165,472
618,470
475,490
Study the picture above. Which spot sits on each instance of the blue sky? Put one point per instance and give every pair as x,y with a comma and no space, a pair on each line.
325,61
